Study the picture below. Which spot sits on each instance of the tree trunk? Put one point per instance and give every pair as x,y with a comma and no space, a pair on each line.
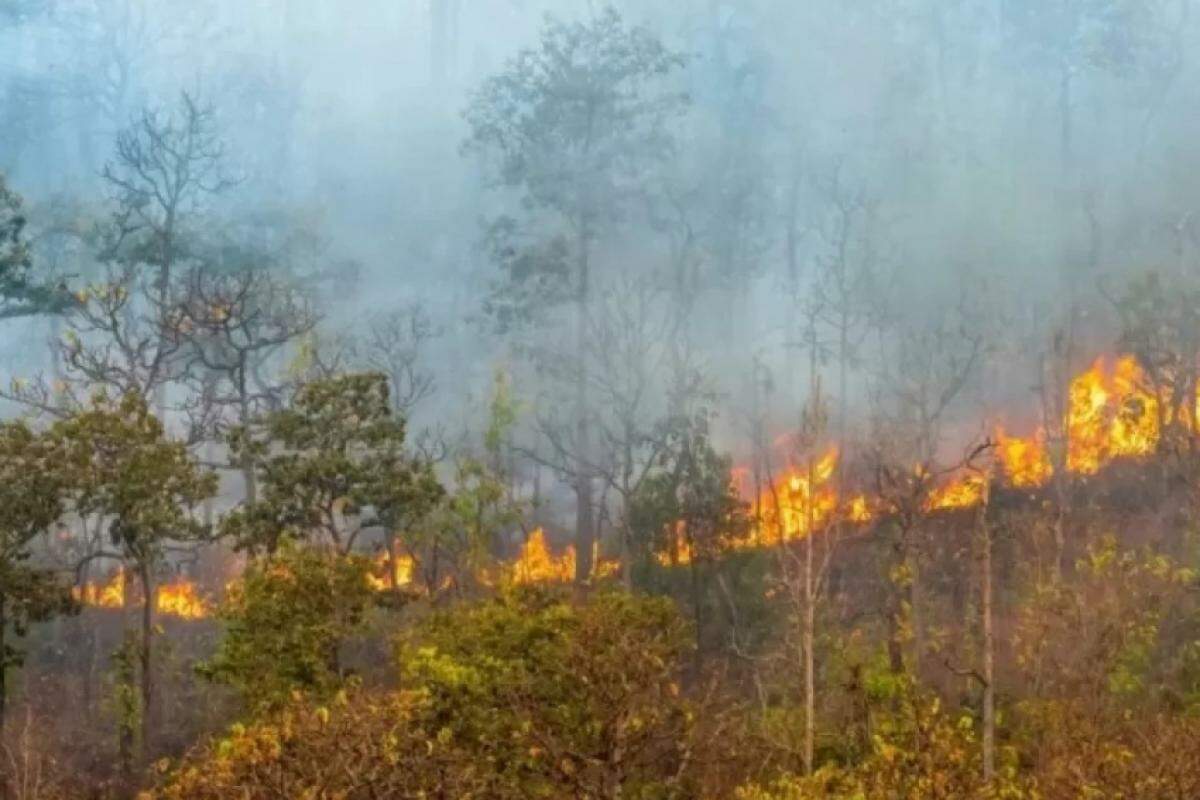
585,534
810,630
989,646
3,674
915,601
145,652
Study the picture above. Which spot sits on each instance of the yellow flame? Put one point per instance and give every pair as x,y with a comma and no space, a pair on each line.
103,595
858,509
537,564
679,550
380,581
964,491
1025,462
801,499
1110,415
179,598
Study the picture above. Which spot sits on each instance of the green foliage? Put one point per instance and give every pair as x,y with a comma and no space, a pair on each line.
523,696
575,125
329,465
689,499
1099,636
125,468
286,618
125,700
918,753
20,294
32,487
563,699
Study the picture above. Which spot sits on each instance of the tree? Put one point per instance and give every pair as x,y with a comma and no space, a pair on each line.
1071,37
286,618
126,333
688,511
126,470
933,363
32,489
235,320
328,466
20,294
574,126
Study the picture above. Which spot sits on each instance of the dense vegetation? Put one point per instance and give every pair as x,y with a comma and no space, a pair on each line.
250,548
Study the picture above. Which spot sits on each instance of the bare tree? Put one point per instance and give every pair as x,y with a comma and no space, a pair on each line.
234,323
932,364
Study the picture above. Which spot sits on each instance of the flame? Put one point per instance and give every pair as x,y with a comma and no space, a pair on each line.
964,491
402,573
1025,462
537,564
801,499
679,552
180,598
857,510
1110,416
103,595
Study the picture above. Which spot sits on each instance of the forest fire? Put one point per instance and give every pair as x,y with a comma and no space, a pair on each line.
800,501
110,594
537,564
1026,462
964,491
179,598
1110,415
401,574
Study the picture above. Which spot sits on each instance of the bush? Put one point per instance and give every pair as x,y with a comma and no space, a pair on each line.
524,696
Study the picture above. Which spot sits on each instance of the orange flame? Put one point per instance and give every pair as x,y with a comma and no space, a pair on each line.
800,500
679,551
1025,462
103,595
179,598
964,491
381,581
537,564
1111,415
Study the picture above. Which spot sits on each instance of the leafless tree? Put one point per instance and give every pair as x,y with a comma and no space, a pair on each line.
234,323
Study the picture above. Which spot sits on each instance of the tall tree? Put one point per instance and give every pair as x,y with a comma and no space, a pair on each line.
20,294
328,466
572,126
32,488
145,485
167,164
